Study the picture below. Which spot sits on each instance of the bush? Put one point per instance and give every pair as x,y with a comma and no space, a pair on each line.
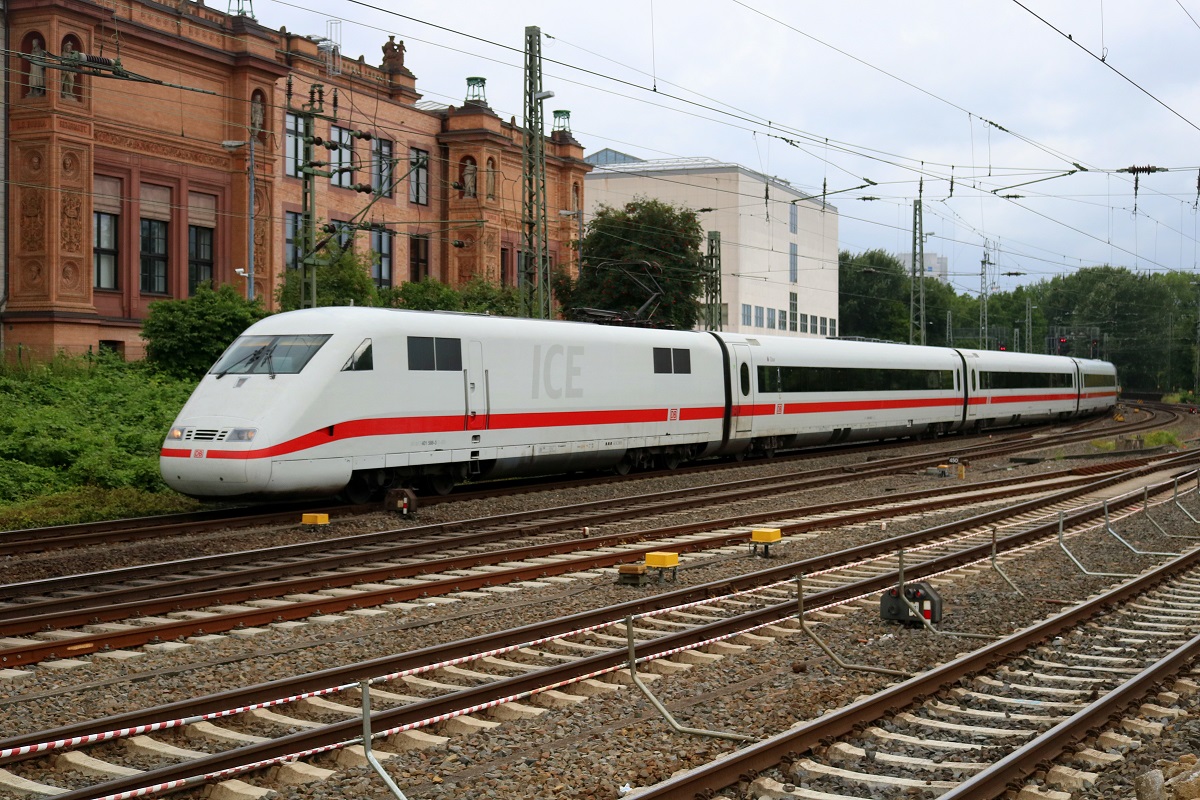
344,280
427,294
1160,438
186,337
85,423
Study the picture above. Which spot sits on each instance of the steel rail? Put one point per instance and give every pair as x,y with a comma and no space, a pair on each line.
276,580
37,651
509,686
988,784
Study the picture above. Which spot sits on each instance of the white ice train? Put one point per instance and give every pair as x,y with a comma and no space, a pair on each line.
356,400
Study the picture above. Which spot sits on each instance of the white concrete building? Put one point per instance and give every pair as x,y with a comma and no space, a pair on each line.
936,266
779,246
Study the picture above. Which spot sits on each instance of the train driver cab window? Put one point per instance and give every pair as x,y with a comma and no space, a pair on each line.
744,378
361,359
269,355
430,353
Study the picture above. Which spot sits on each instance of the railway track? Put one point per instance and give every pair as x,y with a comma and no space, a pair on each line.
77,615
979,726
681,621
21,542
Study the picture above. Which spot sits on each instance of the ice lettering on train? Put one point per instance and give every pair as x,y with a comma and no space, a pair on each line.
557,372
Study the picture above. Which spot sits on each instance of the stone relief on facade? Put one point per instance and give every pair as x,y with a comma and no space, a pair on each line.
33,214
70,165
33,163
72,224
71,281
31,279
159,149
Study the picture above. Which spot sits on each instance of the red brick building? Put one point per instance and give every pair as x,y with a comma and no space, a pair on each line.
121,193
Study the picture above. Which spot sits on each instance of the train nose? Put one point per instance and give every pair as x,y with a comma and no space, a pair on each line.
215,458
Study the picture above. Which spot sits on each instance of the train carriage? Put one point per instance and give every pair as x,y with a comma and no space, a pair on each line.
1098,389
1015,388
815,391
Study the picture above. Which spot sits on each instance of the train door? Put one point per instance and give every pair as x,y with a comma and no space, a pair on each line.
743,389
475,388
1078,385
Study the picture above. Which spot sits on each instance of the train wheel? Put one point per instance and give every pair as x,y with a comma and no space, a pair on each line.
624,466
358,491
440,485
671,460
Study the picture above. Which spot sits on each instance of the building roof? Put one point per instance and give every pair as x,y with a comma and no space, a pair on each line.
687,165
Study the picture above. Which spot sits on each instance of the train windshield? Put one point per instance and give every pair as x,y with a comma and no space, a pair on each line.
269,355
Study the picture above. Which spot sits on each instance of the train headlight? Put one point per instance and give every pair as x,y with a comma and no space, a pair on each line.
241,435
176,433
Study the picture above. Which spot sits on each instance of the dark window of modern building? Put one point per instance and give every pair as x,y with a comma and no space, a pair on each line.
793,262
793,306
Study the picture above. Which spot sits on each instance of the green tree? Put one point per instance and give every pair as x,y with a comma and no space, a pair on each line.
344,279
427,294
185,337
630,253
481,297
872,296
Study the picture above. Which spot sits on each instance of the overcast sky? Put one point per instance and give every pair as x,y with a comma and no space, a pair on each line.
847,92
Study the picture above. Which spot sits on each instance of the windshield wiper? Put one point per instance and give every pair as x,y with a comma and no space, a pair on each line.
247,359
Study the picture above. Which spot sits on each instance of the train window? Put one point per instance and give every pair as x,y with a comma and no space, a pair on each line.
672,360
972,380
662,360
430,353
361,359
682,359
269,355
850,379
744,375
768,379
1099,380
1026,380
